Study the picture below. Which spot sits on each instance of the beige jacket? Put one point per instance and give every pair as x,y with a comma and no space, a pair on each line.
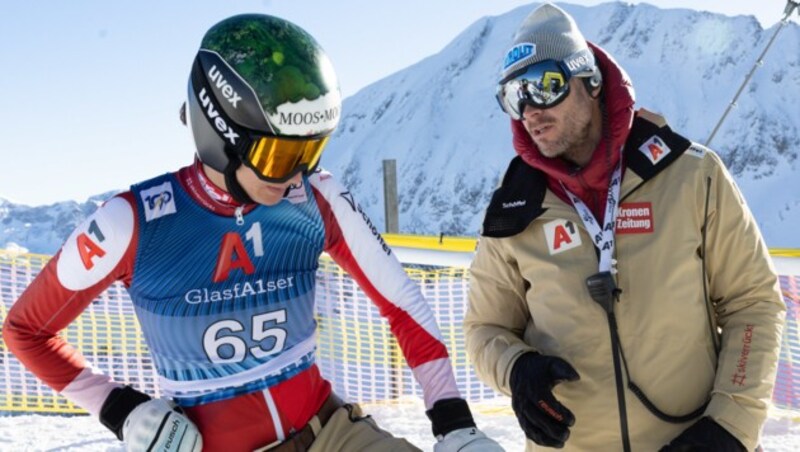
528,293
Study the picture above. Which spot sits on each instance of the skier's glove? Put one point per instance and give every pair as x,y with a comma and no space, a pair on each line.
467,440
146,424
704,435
455,430
544,420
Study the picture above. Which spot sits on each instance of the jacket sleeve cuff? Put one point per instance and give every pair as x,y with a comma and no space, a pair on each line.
506,363
735,419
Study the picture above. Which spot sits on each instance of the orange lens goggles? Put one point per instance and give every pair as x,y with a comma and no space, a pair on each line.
279,159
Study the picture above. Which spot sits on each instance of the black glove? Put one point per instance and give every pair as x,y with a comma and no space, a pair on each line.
448,415
118,405
704,435
543,419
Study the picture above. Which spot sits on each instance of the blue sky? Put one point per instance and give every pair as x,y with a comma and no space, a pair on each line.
91,89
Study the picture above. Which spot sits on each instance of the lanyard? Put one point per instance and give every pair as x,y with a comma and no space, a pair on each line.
603,238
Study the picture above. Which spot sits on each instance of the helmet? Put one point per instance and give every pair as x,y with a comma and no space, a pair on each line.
261,89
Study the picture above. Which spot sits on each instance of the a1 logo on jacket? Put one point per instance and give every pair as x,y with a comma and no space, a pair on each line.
655,149
561,235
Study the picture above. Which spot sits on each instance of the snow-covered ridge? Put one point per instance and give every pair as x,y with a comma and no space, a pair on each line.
42,229
439,119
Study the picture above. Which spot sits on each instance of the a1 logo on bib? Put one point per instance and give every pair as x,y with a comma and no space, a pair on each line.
561,235
655,149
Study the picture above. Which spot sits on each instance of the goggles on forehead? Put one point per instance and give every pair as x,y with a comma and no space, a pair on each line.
541,85
277,159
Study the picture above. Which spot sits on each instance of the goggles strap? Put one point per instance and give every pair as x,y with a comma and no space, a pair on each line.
235,137
234,187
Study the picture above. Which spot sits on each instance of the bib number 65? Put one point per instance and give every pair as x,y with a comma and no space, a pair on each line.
217,342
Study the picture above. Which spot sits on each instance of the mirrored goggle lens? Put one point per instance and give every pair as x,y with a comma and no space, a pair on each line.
542,85
278,159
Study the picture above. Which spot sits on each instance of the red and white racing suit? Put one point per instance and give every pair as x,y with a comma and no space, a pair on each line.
160,240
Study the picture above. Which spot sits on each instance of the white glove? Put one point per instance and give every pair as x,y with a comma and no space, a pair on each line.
159,426
467,440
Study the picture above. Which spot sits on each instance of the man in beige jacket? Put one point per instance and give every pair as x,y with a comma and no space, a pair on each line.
622,294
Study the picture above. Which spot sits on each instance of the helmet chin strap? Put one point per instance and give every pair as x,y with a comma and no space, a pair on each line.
234,187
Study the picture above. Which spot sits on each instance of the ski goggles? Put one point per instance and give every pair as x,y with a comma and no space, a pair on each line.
541,85
277,159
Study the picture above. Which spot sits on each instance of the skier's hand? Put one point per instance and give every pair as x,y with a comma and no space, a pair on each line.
467,440
544,420
704,435
146,424
455,430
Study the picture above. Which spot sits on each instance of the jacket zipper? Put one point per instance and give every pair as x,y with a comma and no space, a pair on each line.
239,215
617,347
713,331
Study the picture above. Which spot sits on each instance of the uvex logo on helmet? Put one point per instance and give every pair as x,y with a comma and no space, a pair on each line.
216,78
214,117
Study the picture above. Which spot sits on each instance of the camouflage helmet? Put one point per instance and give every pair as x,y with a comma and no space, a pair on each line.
258,75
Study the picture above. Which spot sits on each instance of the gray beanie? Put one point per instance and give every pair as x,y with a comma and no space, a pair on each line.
549,33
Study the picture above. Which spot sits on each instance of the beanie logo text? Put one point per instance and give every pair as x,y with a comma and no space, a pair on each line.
580,61
518,52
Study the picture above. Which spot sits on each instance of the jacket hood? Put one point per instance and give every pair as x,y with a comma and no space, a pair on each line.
591,182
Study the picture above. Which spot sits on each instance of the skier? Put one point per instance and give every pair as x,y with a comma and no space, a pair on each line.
621,294
220,259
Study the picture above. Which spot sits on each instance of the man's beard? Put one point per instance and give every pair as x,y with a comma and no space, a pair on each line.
574,136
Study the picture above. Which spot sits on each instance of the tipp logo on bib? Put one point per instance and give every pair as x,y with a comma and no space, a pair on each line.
158,201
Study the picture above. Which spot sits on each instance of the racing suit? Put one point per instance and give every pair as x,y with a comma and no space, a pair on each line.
224,294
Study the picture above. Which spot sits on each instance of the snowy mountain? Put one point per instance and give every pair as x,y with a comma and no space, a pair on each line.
42,229
440,121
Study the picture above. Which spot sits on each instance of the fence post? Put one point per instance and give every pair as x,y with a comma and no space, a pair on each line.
391,219
390,196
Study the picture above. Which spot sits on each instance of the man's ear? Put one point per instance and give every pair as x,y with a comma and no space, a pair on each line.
593,86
